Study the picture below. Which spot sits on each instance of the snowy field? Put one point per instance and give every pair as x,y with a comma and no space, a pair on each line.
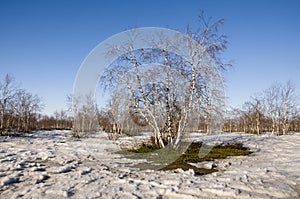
54,165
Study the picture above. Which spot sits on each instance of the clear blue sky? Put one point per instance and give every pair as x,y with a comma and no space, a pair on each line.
43,42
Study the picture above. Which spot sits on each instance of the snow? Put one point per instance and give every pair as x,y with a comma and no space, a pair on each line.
55,165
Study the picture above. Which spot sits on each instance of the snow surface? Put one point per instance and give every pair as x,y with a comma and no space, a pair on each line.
55,165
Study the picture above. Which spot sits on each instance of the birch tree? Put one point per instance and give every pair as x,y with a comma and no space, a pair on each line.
289,106
18,108
281,106
85,115
167,94
273,110
8,89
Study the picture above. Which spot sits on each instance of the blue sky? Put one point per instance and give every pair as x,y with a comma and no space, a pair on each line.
43,42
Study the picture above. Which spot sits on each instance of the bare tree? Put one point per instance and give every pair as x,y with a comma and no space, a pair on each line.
85,115
61,119
8,89
255,114
18,108
281,106
272,104
289,105
232,120
275,110
168,96
27,107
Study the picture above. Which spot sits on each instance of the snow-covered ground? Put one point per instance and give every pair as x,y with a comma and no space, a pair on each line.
54,165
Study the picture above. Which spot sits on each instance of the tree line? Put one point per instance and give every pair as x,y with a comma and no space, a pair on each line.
60,120
275,110
20,111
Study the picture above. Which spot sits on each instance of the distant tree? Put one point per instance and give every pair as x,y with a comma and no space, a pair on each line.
8,89
233,120
105,120
19,109
85,115
273,110
295,122
27,107
254,113
62,121
281,106
289,106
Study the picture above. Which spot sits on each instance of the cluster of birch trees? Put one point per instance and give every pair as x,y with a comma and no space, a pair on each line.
155,89
169,96
18,108
273,110
85,115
